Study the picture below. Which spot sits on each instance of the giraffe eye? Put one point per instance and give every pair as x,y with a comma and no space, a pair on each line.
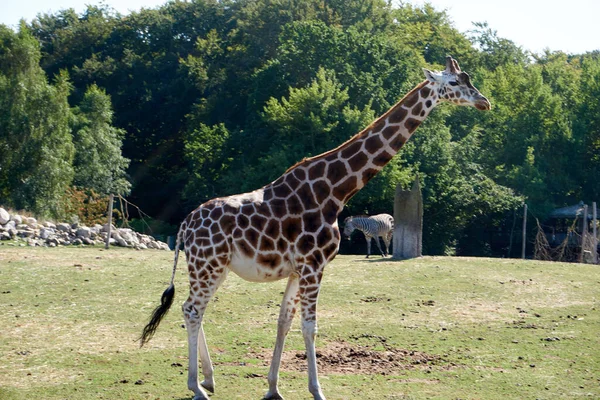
453,83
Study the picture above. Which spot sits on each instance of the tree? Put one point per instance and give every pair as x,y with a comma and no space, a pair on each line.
587,128
35,138
528,138
430,32
206,156
309,121
98,163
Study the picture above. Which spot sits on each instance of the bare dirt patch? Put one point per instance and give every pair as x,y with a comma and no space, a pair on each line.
347,358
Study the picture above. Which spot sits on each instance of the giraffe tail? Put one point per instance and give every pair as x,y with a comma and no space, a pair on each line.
166,301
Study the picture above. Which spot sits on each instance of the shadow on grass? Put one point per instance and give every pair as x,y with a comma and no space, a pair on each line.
378,259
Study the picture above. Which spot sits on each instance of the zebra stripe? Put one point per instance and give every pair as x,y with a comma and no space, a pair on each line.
381,225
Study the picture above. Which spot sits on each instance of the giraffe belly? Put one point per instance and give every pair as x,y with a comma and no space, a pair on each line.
250,270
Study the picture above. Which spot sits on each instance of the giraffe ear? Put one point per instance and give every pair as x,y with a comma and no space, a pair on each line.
431,76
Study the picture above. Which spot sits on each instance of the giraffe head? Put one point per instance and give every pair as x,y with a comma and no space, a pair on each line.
454,86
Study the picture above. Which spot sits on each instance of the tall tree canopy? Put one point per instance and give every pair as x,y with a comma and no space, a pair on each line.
35,141
211,98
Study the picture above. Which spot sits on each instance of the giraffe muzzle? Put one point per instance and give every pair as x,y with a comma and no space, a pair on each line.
483,104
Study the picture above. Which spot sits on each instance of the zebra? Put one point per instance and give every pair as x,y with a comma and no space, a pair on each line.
372,227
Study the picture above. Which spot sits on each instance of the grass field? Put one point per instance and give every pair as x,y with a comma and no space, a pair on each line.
428,328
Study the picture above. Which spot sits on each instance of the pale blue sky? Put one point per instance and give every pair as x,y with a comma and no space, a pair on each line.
535,25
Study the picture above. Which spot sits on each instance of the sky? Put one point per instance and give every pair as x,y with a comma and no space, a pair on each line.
534,25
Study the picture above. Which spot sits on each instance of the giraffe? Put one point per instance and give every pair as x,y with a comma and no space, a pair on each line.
288,229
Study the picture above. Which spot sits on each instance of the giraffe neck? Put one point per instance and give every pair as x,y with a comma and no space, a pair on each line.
335,176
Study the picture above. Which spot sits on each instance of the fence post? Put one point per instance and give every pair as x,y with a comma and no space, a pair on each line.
595,233
524,231
584,229
110,211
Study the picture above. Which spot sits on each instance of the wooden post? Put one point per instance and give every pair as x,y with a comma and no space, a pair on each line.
595,233
110,210
584,228
523,245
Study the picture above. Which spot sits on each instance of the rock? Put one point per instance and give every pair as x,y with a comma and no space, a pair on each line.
45,233
25,233
122,242
63,227
125,234
63,234
105,228
83,232
30,221
4,216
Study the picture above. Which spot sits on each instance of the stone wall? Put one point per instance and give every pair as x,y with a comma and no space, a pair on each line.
27,230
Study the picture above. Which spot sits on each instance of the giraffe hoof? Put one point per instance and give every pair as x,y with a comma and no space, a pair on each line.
275,396
208,386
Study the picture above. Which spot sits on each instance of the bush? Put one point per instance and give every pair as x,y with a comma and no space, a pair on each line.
86,206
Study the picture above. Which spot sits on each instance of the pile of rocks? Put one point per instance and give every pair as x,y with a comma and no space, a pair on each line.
17,227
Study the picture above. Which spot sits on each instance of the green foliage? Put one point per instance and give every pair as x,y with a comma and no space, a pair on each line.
212,98
586,127
47,146
35,138
311,120
205,153
529,136
98,162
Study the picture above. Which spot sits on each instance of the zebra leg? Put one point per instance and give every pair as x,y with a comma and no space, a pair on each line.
388,240
368,237
379,246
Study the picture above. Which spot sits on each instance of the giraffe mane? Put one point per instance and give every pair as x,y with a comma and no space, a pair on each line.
359,134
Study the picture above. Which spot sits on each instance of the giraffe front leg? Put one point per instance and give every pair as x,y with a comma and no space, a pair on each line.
286,315
308,296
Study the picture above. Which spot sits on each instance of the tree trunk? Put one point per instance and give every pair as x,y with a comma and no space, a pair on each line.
408,222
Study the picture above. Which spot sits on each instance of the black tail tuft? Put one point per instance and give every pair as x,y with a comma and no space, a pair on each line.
157,315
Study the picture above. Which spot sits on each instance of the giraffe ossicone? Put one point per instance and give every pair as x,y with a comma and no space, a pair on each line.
289,229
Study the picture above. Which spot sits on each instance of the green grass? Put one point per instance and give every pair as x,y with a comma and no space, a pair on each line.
488,328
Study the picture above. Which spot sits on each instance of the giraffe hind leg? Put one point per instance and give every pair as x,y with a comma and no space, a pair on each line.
193,312
309,293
